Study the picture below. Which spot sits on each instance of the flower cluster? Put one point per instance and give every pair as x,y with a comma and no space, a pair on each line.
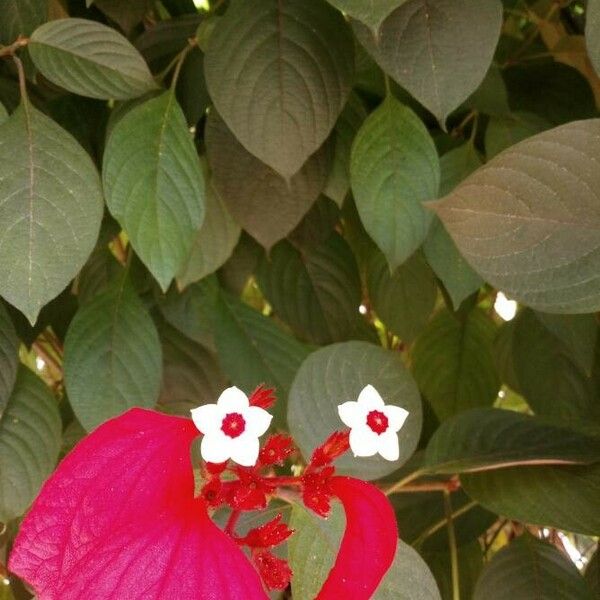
120,518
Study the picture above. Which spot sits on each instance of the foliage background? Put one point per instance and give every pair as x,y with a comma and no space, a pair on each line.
298,250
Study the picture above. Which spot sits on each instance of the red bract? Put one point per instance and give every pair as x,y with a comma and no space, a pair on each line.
316,490
275,572
262,397
118,520
336,444
276,449
268,535
369,543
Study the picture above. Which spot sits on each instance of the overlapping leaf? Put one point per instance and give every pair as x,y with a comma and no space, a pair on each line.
90,59
423,45
154,186
279,73
529,220
592,32
50,209
394,168
338,373
9,356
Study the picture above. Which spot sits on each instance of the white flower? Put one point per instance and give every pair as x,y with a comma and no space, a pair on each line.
373,424
231,428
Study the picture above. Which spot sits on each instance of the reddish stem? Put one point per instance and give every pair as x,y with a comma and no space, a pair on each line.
232,522
284,480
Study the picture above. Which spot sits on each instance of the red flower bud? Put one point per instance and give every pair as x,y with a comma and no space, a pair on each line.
275,572
333,447
268,535
276,449
262,397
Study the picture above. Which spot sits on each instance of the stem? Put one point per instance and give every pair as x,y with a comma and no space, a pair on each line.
232,522
429,486
403,482
284,480
10,50
388,87
22,81
440,524
182,56
453,547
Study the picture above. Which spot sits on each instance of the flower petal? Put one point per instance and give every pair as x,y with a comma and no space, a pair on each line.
244,450
370,398
369,543
216,447
363,441
387,445
352,414
118,519
257,420
207,418
396,416
233,400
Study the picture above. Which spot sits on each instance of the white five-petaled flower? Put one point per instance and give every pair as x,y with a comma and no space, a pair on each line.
373,424
231,428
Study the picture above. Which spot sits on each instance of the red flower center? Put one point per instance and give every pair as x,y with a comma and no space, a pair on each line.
234,425
377,421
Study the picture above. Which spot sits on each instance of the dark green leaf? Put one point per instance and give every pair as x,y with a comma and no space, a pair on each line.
453,362
126,14
3,113
214,241
394,168
535,234
489,438
154,185
505,131
404,299
30,434
422,46
529,568
316,291
592,574
9,357
289,71
547,377
50,209
369,12
592,32
491,97
112,356
264,203
338,373
110,67
252,350
21,17
565,497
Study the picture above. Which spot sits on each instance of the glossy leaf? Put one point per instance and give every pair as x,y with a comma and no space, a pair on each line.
530,568
317,291
110,67
369,12
252,350
112,356
30,436
511,229
489,438
338,373
421,45
154,186
289,71
394,168
50,209
9,356
214,241
404,299
261,201
453,362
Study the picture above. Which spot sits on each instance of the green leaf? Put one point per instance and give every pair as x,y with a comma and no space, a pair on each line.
30,436
490,438
547,377
261,201
458,277
349,122
338,373
112,356
394,167
126,14
316,291
535,234
369,12
154,185
404,299
504,132
313,547
530,568
50,209
592,574
3,113
21,17
423,45
578,333
214,241
252,350
289,70
592,32
9,356
453,362
491,97
110,67
564,497
191,375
